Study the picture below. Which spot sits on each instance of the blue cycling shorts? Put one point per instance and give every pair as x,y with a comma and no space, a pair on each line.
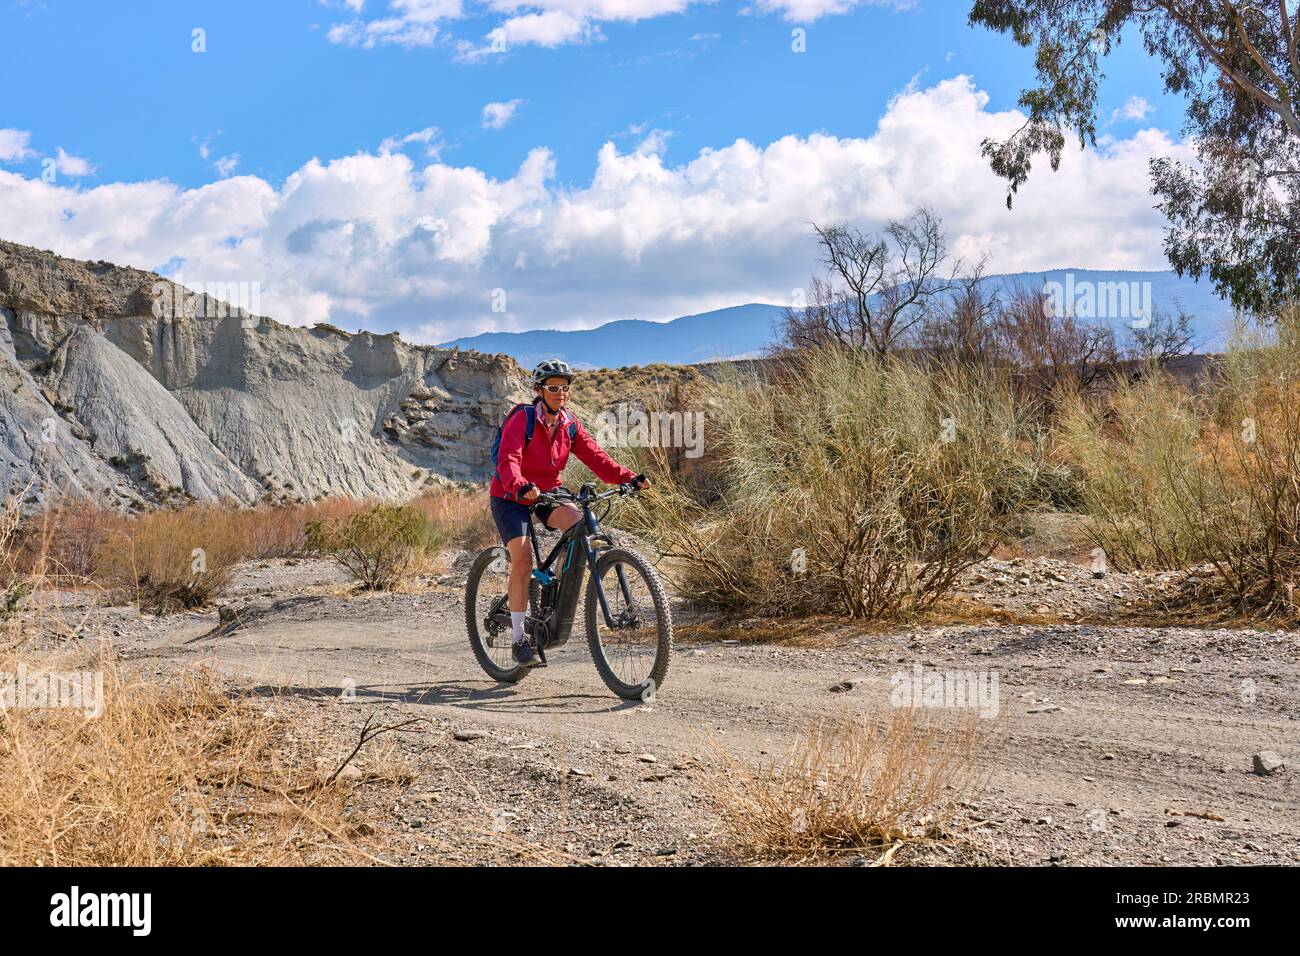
511,517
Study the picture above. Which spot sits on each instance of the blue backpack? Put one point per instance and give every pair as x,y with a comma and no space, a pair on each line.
530,424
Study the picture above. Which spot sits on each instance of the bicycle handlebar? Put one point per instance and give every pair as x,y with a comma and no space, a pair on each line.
568,497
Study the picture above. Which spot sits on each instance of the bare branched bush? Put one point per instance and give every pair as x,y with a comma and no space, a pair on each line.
1055,355
878,287
1165,338
276,532
850,783
962,330
66,543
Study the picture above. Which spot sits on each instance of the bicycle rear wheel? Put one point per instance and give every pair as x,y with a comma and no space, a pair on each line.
487,615
632,656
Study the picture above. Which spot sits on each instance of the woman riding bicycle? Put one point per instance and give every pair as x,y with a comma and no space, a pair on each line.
527,469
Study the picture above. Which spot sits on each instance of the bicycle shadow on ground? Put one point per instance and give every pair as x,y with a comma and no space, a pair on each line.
477,695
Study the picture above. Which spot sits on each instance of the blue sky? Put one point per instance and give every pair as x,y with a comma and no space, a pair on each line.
639,155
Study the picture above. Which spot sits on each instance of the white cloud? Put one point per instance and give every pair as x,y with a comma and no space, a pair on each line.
655,142
14,148
225,166
1134,108
430,137
205,144
548,28
806,11
546,23
13,145
413,23
393,243
70,165
497,115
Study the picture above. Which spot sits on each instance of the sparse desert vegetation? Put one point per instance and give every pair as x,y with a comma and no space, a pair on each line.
377,545
181,558
1176,477
868,502
850,784
869,489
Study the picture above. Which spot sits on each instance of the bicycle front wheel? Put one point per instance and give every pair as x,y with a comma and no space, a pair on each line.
632,648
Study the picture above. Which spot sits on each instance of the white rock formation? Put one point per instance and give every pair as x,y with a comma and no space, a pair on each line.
115,382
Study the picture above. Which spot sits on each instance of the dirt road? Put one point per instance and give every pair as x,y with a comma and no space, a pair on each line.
1119,744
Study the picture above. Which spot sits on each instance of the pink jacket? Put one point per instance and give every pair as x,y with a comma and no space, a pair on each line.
547,454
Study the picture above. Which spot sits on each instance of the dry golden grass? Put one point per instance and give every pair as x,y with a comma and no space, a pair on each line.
463,517
168,774
172,560
850,784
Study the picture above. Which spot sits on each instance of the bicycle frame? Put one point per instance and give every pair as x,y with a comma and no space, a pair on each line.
555,626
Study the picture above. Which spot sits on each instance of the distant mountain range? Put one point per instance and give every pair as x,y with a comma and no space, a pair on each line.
723,333
741,331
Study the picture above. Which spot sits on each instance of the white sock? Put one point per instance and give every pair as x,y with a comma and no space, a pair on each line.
517,622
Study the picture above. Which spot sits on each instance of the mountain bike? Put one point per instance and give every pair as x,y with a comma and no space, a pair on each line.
629,621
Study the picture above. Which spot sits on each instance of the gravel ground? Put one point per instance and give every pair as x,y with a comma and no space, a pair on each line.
1112,744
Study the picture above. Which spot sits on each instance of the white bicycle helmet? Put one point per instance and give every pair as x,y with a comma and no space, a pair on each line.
550,369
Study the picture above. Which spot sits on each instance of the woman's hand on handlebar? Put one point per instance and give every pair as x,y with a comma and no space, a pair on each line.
554,497
529,493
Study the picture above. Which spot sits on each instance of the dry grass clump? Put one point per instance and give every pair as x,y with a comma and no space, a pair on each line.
851,484
851,783
462,518
171,560
172,774
1175,479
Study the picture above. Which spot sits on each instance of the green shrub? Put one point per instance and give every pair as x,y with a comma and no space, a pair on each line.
849,484
377,546
1175,479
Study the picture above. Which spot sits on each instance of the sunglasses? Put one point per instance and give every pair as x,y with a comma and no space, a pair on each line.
556,389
